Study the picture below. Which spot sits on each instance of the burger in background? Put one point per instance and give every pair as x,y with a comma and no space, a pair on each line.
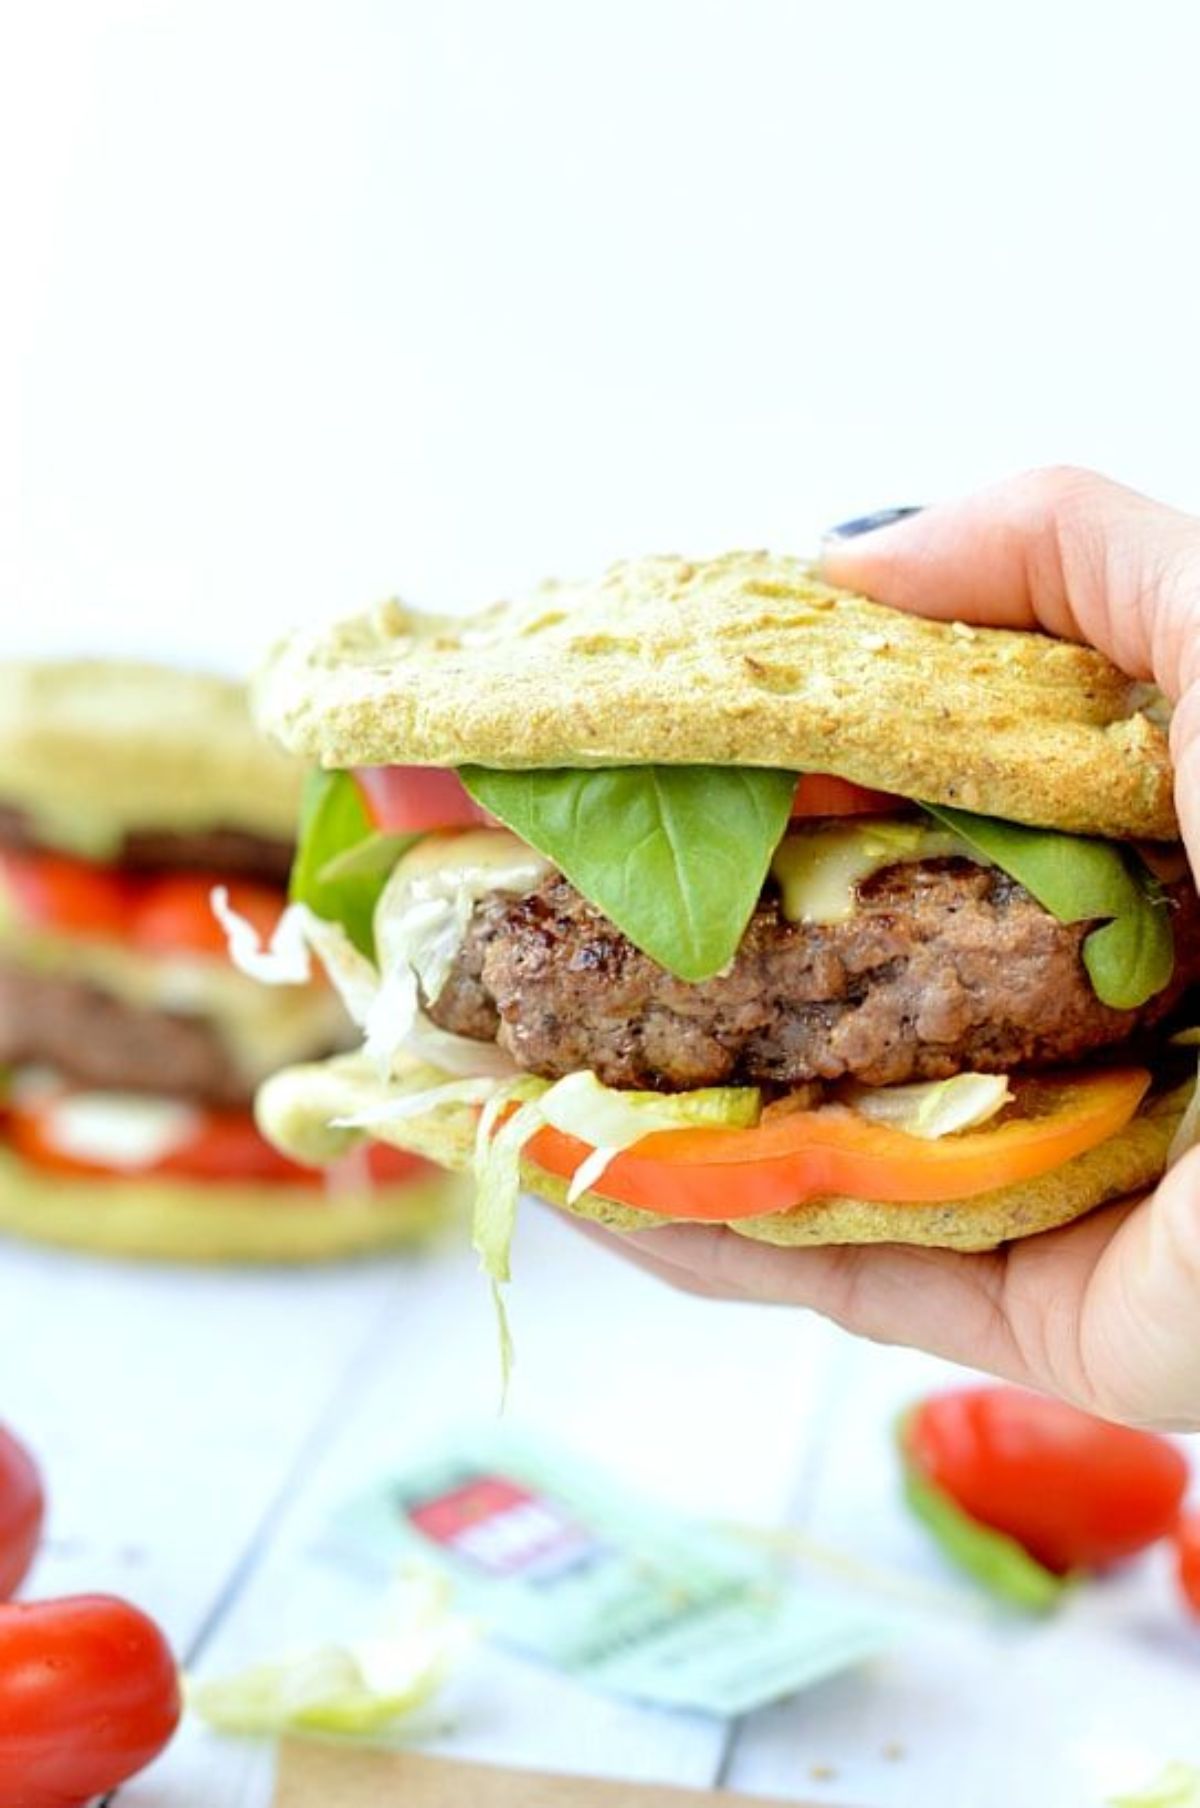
131,1048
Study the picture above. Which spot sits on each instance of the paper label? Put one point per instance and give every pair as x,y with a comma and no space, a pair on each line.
566,1566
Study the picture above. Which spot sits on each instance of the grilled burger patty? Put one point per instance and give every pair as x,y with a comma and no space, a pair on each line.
234,853
942,966
90,1036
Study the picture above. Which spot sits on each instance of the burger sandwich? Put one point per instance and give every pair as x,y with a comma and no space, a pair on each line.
708,892
130,1049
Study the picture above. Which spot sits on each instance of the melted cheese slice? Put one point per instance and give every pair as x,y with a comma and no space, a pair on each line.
818,869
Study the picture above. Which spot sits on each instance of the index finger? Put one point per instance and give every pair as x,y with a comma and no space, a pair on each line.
1063,551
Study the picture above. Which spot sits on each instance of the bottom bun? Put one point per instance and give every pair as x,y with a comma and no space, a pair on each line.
297,1107
178,1220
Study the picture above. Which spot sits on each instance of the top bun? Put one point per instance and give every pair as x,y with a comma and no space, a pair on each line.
140,747
743,660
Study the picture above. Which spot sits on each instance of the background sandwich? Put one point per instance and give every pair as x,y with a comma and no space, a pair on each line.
131,1048
608,932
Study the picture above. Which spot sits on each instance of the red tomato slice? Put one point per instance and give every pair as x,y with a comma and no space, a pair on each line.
227,1147
88,1695
408,800
22,1509
1187,1559
819,794
57,891
173,914
1076,1492
715,1175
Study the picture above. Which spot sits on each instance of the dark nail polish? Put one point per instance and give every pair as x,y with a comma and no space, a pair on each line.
867,524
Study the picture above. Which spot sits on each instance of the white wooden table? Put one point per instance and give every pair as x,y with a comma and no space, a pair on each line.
197,1430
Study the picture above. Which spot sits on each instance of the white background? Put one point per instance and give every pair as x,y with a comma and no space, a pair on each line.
303,304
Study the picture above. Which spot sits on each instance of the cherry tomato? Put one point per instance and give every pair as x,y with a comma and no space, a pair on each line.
57,891
173,914
88,1695
819,794
1187,1558
408,800
717,1175
22,1510
1075,1491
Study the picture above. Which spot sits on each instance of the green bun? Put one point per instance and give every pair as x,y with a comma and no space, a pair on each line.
181,1220
140,746
743,660
296,1107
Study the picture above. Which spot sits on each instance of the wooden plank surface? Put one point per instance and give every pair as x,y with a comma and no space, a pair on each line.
198,1431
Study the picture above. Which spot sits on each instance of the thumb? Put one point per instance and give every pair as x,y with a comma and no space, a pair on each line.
1061,550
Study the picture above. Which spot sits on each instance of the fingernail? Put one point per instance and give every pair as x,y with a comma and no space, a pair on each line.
868,524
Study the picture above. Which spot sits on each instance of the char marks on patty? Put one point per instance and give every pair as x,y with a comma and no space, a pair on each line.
943,966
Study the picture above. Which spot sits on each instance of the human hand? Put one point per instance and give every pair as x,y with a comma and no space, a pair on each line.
1105,1312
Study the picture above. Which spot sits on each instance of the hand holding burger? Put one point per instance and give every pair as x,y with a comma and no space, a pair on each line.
1102,1311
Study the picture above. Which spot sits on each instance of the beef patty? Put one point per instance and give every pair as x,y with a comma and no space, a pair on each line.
233,853
89,1036
943,966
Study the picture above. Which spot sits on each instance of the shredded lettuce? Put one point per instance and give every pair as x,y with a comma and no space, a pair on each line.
355,1690
581,1106
1078,879
675,856
933,1108
286,959
1178,1786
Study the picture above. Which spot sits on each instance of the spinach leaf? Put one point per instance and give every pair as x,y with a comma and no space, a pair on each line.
675,856
342,862
1079,879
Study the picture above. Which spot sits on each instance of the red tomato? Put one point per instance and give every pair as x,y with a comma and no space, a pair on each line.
818,794
88,1695
56,891
227,1146
22,1509
174,915
1187,1558
408,800
716,1175
1076,1492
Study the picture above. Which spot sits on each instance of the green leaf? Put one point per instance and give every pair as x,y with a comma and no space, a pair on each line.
675,856
997,1562
1178,1786
1081,879
342,862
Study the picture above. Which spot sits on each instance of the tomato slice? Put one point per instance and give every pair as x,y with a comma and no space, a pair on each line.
161,913
226,1146
819,794
173,914
715,1175
58,891
408,800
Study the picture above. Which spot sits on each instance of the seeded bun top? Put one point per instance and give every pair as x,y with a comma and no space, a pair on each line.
744,660
139,747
